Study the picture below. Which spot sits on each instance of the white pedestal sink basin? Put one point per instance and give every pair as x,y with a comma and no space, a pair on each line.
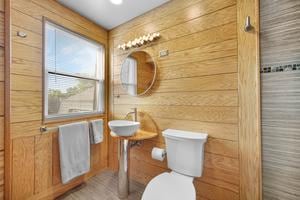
123,127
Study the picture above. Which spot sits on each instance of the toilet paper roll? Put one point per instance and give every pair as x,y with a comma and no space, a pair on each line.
158,154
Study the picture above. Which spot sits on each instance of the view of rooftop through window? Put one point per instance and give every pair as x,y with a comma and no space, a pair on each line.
74,71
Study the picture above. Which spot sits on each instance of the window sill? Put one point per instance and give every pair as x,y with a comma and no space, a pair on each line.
72,117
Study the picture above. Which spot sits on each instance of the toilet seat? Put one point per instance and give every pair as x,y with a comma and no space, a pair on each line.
170,186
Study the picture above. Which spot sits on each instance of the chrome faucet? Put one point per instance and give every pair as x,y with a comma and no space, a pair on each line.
133,112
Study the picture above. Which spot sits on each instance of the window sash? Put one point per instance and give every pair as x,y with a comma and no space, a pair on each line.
99,93
99,102
72,75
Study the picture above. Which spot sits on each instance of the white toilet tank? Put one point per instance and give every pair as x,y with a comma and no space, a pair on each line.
185,151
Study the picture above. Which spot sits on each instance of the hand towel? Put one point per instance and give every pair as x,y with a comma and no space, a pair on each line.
96,131
74,150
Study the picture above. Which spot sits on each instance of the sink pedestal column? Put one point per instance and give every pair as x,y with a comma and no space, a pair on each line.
125,143
123,184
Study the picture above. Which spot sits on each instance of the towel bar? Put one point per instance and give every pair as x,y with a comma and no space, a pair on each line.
45,129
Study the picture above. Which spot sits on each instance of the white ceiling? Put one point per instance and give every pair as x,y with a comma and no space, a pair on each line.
109,15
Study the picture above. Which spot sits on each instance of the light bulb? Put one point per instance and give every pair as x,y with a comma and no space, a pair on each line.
116,2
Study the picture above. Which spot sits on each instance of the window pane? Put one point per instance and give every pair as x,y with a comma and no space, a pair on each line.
70,53
71,95
50,48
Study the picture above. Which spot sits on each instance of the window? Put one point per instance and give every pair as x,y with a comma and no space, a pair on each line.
74,74
129,75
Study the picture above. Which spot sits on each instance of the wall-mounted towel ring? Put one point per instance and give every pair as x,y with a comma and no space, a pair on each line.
248,25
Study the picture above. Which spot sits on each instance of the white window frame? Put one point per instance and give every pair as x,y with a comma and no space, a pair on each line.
99,86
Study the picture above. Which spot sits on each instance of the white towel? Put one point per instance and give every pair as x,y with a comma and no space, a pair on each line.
74,150
96,131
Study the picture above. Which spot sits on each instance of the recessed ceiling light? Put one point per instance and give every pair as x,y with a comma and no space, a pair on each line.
117,2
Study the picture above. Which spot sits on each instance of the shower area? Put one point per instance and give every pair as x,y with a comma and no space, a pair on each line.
280,93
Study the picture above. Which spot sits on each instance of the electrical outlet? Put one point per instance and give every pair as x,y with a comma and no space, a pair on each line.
163,53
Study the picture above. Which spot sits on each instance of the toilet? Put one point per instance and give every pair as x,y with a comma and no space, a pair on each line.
185,156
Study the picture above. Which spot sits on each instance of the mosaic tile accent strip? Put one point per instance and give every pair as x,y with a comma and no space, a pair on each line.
280,68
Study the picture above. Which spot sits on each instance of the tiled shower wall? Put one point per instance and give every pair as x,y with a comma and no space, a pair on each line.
280,79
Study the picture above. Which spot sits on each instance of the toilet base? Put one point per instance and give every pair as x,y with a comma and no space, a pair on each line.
172,185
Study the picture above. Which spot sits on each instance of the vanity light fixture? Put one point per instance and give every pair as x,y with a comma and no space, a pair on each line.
140,41
116,2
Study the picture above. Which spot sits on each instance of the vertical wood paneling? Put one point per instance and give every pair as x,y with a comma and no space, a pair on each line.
1,133
2,64
23,168
6,58
1,170
2,96
2,28
2,6
56,164
43,163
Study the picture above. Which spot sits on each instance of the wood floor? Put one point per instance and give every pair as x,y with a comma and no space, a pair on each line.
103,187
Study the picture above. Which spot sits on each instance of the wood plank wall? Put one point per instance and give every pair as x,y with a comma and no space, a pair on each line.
209,82
280,46
34,163
2,28
196,89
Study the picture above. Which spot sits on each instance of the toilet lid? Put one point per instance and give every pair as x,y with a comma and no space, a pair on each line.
170,186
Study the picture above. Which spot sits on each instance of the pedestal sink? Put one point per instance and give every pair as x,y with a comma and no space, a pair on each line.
123,129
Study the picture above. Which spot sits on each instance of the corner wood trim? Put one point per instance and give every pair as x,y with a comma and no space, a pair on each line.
249,101
7,64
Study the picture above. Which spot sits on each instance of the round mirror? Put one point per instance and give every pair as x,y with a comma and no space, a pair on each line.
138,73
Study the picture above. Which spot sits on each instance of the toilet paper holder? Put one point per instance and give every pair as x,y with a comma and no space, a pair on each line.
158,154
